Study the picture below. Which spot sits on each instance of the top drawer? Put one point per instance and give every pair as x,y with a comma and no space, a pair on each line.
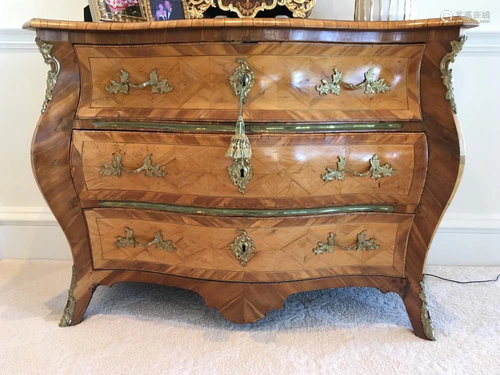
287,77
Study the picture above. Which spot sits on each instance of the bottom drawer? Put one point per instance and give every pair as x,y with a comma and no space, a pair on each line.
249,249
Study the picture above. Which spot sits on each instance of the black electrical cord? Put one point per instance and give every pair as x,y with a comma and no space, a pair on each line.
463,282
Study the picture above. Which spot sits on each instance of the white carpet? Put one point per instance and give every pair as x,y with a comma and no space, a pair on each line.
148,329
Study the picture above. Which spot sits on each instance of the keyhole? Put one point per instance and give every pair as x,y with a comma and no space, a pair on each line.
244,80
242,173
244,249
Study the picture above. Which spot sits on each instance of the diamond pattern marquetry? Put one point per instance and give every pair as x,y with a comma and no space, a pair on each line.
290,57
282,245
283,166
286,77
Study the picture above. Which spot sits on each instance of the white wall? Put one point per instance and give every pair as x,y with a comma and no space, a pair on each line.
344,9
470,232
15,13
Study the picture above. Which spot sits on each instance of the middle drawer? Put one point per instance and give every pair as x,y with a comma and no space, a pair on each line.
288,170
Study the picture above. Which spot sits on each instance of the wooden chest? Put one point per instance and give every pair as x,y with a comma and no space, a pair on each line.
355,155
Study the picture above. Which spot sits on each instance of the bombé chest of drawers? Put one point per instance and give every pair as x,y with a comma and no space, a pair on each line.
248,160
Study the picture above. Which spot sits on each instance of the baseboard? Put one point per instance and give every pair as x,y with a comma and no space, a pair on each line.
462,239
479,42
26,216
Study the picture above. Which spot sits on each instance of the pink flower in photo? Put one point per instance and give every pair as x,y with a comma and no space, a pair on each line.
120,5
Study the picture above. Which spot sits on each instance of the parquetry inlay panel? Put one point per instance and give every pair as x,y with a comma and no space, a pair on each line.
286,77
290,58
288,166
282,245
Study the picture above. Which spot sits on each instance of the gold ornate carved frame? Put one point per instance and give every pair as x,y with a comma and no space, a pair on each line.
250,8
101,13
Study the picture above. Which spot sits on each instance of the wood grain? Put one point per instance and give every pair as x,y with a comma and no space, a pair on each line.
238,23
50,163
287,169
245,301
286,74
284,247
446,162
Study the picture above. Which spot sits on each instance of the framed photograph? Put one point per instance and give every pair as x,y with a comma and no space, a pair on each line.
119,10
165,10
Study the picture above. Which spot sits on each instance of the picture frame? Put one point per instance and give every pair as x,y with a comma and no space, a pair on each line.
158,10
119,10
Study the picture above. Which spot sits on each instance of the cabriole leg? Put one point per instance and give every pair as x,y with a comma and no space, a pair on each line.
79,296
416,305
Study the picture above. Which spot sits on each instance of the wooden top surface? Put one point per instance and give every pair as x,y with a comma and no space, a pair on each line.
255,22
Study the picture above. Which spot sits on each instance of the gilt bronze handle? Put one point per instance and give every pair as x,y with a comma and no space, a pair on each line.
130,241
376,170
361,244
157,86
117,168
370,84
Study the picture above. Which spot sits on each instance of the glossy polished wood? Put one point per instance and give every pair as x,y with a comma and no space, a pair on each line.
284,247
242,303
40,24
248,301
287,169
250,31
287,76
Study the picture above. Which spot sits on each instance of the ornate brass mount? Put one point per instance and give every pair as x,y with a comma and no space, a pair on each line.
117,168
424,314
362,244
69,310
242,247
130,241
446,72
242,80
52,74
376,170
157,86
240,172
370,84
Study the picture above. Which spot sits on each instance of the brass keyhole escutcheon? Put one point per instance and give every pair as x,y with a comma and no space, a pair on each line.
242,247
240,173
240,149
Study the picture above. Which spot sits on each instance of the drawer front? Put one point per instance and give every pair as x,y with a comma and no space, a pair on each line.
288,86
249,249
289,171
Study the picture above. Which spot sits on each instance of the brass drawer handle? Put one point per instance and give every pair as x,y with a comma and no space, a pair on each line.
130,241
376,170
370,84
240,172
361,244
117,168
242,247
157,86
